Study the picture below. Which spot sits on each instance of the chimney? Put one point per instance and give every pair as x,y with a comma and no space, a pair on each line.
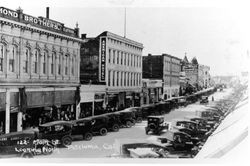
47,12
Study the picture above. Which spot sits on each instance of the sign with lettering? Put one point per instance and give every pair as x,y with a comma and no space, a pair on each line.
103,60
40,22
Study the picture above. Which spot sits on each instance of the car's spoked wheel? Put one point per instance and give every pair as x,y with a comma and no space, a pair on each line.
103,132
139,119
66,141
129,124
115,127
87,136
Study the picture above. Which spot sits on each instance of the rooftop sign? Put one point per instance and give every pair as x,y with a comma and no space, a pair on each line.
40,22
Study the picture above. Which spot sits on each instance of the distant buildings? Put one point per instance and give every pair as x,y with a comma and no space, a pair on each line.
203,76
152,90
39,69
115,62
164,67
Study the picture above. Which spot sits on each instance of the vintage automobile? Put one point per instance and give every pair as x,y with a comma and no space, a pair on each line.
56,131
202,122
134,148
161,108
156,125
189,127
114,121
148,110
126,117
174,141
82,127
24,144
182,102
204,99
137,113
99,124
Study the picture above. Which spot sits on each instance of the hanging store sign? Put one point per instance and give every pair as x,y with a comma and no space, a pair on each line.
103,60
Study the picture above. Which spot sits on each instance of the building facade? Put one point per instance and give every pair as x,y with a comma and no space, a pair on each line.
115,62
39,69
164,67
203,76
152,91
191,71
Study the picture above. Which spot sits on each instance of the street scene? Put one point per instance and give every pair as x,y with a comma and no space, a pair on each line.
121,82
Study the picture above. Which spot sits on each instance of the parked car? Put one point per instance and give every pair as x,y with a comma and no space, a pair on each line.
182,102
114,121
148,110
127,118
156,125
24,144
174,140
99,124
202,122
204,99
190,127
82,127
138,113
56,131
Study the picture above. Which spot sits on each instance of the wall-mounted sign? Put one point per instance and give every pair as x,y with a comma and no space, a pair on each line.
103,60
40,22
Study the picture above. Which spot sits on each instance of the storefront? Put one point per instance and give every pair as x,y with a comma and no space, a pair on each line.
152,91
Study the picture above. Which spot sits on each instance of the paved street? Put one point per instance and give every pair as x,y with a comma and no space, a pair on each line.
102,146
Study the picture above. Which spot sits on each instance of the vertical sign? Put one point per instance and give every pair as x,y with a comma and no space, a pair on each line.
103,60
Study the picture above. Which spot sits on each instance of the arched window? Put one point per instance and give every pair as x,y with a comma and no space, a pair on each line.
66,63
2,53
35,61
12,56
72,65
43,62
52,62
26,60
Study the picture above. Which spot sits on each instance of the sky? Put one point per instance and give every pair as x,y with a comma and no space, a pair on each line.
215,32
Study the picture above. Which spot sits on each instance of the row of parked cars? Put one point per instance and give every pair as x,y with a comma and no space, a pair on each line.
182,137
61,133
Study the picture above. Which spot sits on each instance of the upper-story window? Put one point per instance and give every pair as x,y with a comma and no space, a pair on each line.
26,60
131,60
113,56
66,64
35,61
72,65
12,59
2,53
52,63
59,63
117,80
125,58
118,56
121,58
43,62
109,55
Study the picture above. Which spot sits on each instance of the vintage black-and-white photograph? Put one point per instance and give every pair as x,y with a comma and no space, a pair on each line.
123,79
